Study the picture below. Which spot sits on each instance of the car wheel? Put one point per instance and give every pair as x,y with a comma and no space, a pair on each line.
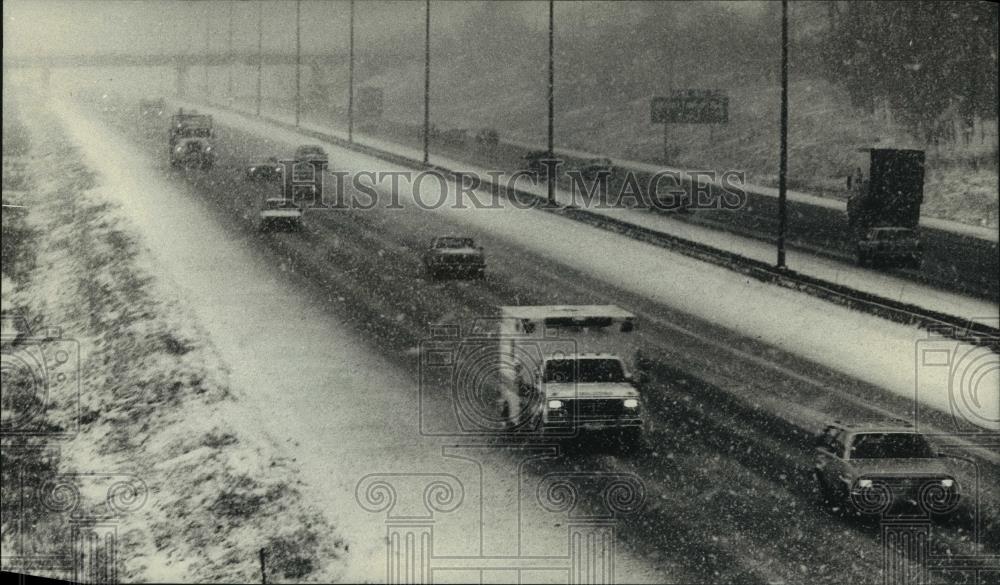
632,441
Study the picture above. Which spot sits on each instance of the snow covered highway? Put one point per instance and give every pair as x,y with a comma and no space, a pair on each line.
321,331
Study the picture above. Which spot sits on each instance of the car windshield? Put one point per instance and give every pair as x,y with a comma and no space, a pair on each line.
584,371
453,243
890,446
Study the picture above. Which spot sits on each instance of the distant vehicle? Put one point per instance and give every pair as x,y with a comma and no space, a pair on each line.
534,161
597,167
455,136
488,137
890,245
269,169
190,139
454,255
312,153
872,467
152,108
571,372
889,195
280,212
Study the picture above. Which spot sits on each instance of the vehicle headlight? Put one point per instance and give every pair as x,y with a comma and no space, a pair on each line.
208,149
252,169
631,403
179,149
555,404
864,483
947,482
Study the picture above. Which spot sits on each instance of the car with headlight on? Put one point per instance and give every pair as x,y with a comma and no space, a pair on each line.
269,169
873,468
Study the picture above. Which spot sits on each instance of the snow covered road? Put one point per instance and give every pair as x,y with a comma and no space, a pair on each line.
346,414
880,352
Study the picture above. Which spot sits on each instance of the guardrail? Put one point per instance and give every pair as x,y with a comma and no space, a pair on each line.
946,325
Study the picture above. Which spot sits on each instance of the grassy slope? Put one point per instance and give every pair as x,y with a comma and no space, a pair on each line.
824,130
155,399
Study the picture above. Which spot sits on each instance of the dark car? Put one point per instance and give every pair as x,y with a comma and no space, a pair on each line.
454,255
312,153
266,170
871,468
597,167
890,246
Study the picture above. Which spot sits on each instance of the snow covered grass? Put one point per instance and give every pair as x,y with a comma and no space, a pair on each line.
156,399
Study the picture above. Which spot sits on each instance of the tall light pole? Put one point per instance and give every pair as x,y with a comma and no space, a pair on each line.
208,95
260,51
350,78
783,164
551,155
229,57
298,60
427,81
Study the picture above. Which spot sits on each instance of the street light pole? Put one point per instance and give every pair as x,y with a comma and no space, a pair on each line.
350,79
208,95
229,56
783,164
427,81
298,61
260,51
551,155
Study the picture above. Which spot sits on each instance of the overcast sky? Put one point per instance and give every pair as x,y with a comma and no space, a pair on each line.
156,26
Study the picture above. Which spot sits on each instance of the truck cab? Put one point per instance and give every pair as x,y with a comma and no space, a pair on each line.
572,371
190,140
